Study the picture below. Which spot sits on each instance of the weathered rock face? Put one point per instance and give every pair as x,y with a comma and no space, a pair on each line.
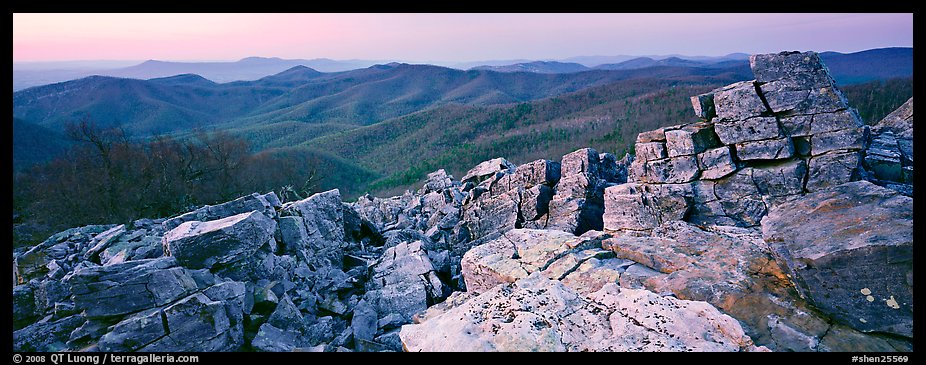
578,202
539,314
733,269
760,142
129,287
849,250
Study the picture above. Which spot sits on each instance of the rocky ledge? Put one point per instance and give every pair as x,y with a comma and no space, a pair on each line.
776,222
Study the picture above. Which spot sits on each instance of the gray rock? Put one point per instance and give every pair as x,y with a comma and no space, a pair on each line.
691,139
403,281
538,314
204,244
780,179
286,316
829,122
535,202
322,214
515,255
578,203
840,140
767,149
899,121
364,322
46,335
635,275
487,169
538,172
103,240
24,311
138,245
656,135
391,340
197,323
673,170
738,101
641,207
129,287
134,332
294,237
488,215
650,151
49,292
263,203
805,69
437,181
716,163
788,97
849,251
272,339
704,106
831,169
797,125
750,129
789,338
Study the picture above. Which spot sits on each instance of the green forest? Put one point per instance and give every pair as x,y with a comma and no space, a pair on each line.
103,175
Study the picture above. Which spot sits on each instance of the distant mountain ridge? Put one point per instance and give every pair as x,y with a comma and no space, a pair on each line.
246,69
544,67
27,75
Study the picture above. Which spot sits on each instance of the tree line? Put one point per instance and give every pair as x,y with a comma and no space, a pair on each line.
107,177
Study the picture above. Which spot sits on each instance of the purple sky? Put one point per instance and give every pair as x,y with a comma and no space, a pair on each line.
442,37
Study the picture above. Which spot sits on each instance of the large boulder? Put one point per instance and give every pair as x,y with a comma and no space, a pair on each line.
849,251
129,287
731,268
46,335
539,314
322,216
199,245
266,204
517,254
486,170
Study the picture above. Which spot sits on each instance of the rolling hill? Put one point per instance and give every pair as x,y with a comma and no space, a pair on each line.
358,97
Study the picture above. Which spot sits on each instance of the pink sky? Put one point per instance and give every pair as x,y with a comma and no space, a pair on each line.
442,37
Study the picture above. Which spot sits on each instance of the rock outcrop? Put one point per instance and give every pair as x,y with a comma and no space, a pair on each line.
539,314
850,251
889,156
760,142
777,221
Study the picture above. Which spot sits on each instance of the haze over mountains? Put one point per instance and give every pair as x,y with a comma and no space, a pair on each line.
28,74
370,121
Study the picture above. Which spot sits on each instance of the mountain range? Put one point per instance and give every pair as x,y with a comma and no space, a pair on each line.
25,75
372,120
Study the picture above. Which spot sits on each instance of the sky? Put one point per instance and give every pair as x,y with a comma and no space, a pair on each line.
443,37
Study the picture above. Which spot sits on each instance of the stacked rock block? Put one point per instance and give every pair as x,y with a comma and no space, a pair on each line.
757,143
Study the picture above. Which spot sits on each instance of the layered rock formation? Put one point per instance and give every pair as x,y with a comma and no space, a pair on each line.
777,221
